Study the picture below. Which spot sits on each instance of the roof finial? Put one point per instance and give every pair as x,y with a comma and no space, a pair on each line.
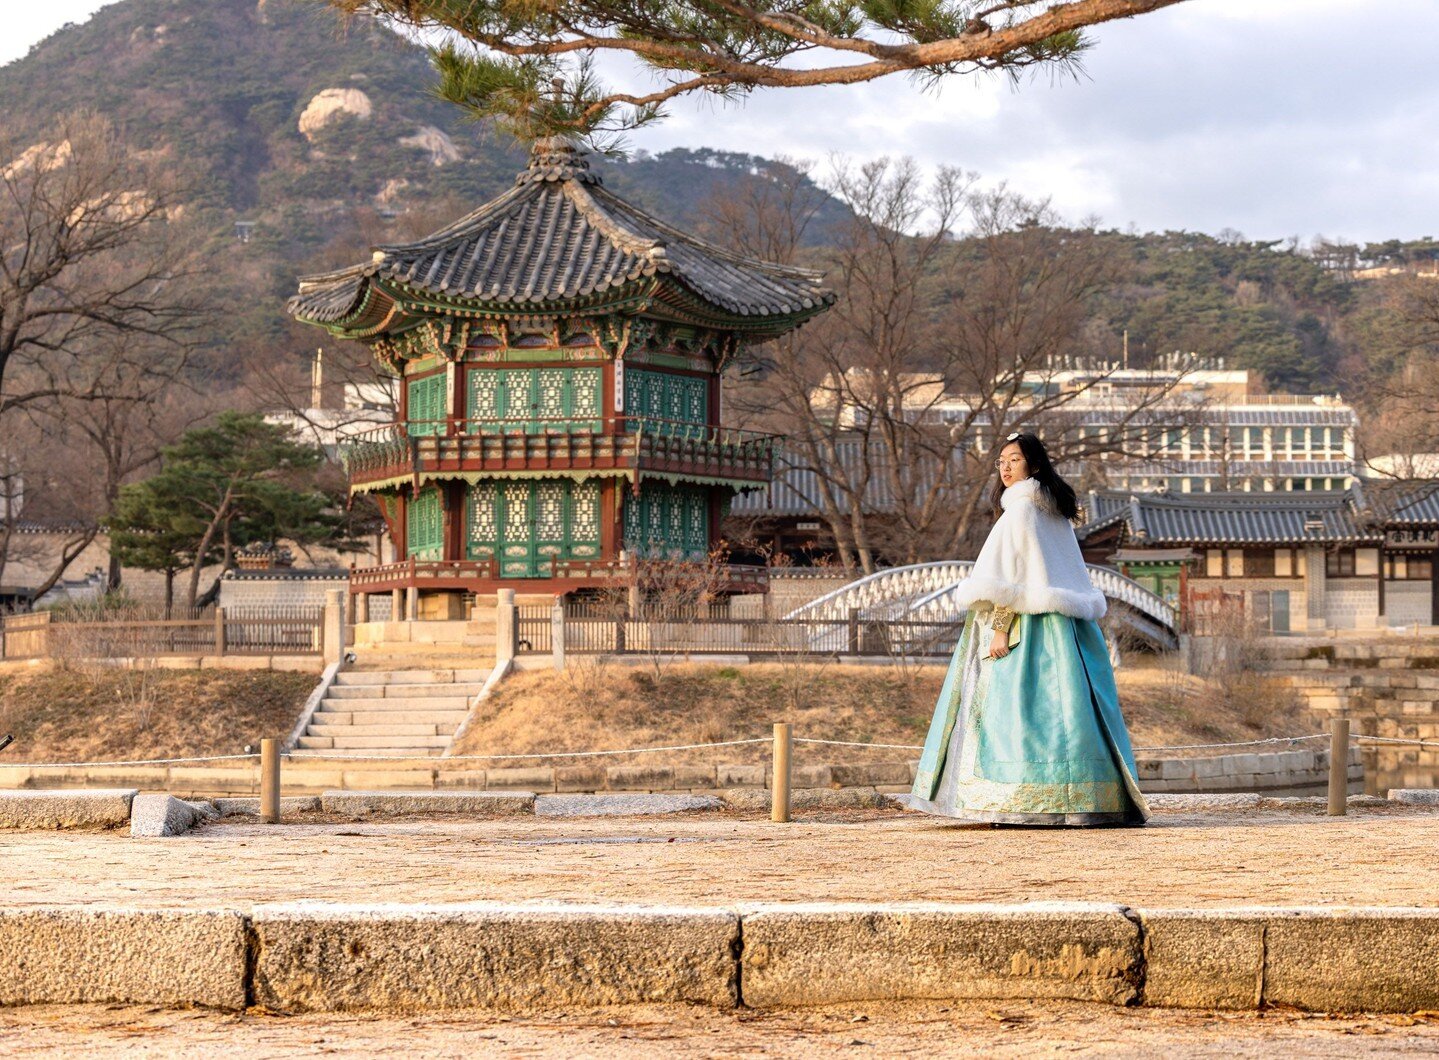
556,158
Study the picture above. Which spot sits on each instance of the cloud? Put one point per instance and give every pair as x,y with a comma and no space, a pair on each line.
1268,118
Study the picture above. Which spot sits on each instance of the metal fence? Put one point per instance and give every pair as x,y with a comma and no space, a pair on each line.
228,631
593,631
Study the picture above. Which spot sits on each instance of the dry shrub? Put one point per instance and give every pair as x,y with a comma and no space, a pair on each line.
75,715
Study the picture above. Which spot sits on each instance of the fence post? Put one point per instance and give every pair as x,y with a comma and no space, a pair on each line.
557,633
219,631
270,781
854,631
779,794
1338,767
334,634
506,626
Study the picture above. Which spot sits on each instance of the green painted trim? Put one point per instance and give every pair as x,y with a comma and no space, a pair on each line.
675,478
380,485
476,477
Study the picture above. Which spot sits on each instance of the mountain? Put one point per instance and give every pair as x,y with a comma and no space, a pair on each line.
316,139
312,137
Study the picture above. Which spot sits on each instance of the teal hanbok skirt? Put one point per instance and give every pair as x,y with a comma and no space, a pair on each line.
1033,738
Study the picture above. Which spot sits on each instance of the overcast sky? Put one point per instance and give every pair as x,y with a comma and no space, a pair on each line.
1273,117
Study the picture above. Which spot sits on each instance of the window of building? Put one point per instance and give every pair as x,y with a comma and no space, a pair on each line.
1401,566
1286,563
1366,562
1254,442
1214,563
1339,563
1234,562
1259,562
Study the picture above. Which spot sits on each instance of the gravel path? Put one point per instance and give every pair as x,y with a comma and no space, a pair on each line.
1277,858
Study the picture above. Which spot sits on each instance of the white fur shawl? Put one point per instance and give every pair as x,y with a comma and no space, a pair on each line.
1031,562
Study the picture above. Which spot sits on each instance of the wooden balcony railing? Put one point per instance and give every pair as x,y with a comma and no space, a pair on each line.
628,443
462,574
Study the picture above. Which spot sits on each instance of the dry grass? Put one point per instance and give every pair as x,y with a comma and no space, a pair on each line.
615,707
94,715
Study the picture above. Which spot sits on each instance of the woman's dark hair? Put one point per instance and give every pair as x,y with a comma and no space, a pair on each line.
1040,469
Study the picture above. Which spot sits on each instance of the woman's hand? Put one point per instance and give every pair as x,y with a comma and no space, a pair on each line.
999,646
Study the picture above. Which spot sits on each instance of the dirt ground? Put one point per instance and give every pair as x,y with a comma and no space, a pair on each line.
1000,1030
1370,857
592,706
94,714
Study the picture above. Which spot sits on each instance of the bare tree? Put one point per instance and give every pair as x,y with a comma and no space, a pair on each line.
95,308
1401,426
88,250
898,399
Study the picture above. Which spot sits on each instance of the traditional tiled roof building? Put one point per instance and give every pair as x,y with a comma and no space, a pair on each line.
560,352
1363,557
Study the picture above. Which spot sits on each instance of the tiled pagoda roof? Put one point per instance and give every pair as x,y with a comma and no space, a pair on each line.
558,239
1258,518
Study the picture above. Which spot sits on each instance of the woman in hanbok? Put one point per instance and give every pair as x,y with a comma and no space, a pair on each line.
1027,729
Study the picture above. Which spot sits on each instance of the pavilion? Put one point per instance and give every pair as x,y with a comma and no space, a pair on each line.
560,352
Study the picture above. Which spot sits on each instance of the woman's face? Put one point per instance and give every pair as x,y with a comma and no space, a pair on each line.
1012,465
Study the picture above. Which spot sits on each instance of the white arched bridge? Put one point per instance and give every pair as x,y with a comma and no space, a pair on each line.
923,594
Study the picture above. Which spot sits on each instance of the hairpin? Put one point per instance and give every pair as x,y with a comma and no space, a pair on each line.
1012,437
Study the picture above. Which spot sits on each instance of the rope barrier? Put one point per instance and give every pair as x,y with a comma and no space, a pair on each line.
1396,739
325,756
1242,743
313,755
847,743
137,762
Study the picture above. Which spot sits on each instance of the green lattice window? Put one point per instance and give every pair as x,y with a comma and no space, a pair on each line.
670,400
528,525
534,399
668,520
425,530
426,406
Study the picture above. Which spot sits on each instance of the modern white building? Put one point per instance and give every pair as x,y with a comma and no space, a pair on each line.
1186,426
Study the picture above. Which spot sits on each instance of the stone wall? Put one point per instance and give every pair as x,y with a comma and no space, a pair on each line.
1408,603
788,591
1351,603
1387,686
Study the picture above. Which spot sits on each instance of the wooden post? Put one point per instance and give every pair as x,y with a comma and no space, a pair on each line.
1338,767
270,781
219,631
557,633
779,782
507,633
854,631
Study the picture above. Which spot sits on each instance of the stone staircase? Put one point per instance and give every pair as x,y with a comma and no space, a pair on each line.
392,713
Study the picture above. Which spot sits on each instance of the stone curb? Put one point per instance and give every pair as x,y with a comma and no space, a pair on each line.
396,803
163,816
492,956
828,954
622,805
312,957
148,957
1415,796
49,810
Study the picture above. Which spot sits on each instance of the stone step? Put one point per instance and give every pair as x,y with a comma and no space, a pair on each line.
367,706
451,718
385,677
468,689
420,675
354,743
413,757
398,729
